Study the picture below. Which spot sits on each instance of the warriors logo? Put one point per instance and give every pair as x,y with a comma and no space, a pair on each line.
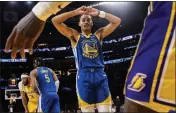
90,49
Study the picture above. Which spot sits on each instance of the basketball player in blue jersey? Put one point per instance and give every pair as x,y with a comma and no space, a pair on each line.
92,82
46,83
151,84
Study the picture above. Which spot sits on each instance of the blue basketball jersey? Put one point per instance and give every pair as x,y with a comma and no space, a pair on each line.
45,80
88,52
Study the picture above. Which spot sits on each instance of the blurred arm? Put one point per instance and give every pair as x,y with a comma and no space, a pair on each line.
43,10
23,96
55,79
33,75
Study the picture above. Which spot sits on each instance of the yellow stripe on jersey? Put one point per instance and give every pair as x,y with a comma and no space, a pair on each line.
167,81
74,46
151,6
168,33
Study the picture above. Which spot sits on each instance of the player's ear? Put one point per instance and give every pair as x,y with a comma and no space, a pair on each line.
79,23
91,23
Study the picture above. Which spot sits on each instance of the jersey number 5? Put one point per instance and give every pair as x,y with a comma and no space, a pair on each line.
47,78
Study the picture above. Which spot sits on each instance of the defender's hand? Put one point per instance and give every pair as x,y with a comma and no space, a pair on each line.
24,35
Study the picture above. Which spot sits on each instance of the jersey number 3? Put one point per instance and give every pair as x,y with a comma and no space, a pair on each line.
47,78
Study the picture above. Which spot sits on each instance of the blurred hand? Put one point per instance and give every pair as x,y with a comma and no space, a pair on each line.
26,111
24,35
92,11
81,10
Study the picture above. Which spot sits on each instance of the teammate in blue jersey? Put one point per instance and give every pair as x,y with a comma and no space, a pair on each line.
92,82
46,83
151,83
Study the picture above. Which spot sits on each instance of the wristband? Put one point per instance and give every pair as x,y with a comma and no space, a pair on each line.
43,10
24,75
102,14
57,85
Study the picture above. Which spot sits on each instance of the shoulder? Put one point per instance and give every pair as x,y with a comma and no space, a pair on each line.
20,86
98,33
20,83
33,72
50,69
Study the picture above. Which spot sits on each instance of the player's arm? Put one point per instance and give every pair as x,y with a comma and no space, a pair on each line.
29,28
114,23
57,83
23,96
59,20
33,75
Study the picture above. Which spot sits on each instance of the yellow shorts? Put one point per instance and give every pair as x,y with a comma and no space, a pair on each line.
32,106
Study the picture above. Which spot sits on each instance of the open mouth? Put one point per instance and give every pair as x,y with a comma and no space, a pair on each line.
86,25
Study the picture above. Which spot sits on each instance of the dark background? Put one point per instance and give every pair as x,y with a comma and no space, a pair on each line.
132,15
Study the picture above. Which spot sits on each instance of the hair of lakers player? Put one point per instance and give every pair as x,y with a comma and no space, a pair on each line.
38,62
25,73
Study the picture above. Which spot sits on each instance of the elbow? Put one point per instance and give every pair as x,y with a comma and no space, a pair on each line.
56,22
118,22
53,21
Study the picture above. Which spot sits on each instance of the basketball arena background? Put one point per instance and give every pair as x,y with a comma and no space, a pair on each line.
55,49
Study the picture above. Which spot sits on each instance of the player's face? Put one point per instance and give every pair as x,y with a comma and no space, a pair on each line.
35,65
25,81
86,22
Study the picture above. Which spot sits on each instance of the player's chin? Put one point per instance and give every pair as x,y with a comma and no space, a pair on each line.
87,28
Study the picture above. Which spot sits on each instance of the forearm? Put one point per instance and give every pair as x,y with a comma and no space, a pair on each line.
64,16
35,89
43,10
24,101
112,19
57,85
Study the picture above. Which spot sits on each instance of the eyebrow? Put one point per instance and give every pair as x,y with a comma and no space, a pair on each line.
84,18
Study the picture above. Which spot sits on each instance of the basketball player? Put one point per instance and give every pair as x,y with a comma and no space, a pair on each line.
45,81
151,82
25,87
23,36
29,28
92,82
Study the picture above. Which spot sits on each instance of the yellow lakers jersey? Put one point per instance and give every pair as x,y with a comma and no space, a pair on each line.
32,96
151,77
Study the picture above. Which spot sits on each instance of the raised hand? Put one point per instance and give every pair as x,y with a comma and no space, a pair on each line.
24,35
92,11
81,10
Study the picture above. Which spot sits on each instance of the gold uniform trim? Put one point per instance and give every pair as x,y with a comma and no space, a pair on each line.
97,36
162,53
74,46
151,6
87,36
153,105
83,104
106,102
